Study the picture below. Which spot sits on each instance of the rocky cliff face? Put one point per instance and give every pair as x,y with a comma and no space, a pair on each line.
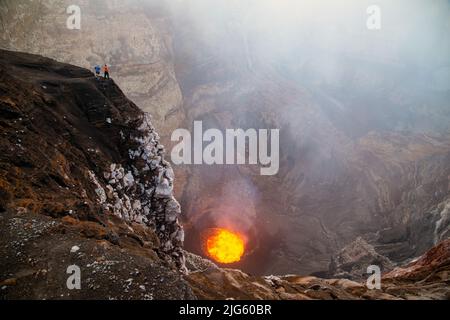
133,37
81,165
360,154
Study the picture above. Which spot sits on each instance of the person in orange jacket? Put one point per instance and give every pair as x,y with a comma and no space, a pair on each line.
106,71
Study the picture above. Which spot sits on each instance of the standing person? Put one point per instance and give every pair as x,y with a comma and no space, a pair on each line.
106,71
97,71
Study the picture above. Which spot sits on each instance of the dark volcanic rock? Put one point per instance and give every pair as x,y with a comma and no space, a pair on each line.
81,165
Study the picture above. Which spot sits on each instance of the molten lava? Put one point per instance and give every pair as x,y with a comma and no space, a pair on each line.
225,246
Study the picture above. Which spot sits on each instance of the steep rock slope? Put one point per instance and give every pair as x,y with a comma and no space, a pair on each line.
133,37
82,166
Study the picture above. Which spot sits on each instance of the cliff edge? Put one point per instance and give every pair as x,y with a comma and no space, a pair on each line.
83,181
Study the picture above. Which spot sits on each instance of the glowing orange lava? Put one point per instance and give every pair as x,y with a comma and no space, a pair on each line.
225,246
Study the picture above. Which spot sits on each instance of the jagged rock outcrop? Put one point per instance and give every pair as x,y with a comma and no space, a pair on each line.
74,148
